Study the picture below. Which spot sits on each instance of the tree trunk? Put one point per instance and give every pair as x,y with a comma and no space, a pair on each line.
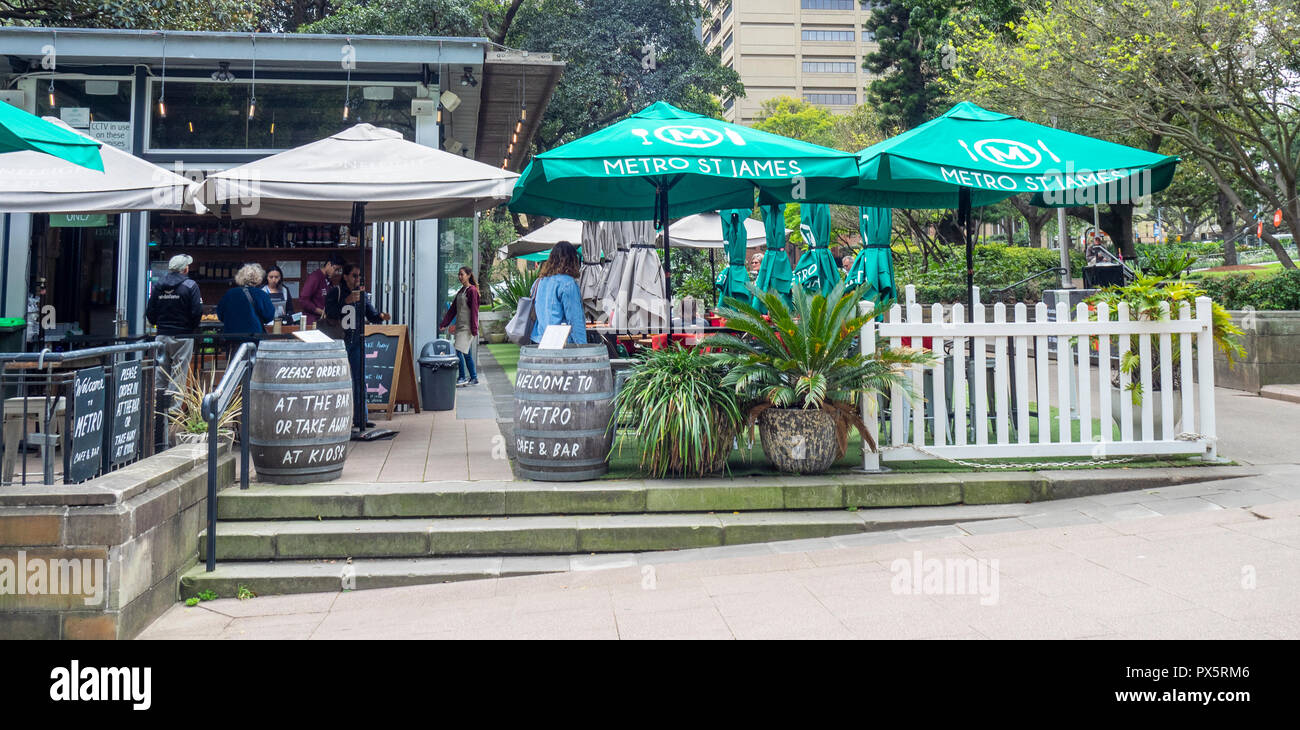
1224,210
1116,222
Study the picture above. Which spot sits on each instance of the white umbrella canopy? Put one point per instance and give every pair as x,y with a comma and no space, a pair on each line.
542,239
397,180
704,230
36,182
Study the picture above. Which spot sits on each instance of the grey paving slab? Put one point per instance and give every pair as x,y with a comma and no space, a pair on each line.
1112,513
986,527
1248,498
1181,506
1059,519
917,534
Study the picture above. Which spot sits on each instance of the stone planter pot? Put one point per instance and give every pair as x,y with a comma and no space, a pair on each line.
497,338
492,322
798,441
225,439
1157,417
1272,340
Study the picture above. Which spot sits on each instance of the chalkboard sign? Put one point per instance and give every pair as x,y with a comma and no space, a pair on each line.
127,405
381,364
85,427
390,369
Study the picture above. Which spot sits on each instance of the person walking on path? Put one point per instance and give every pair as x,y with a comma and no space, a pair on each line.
280,294
343,303
464,312
246,308
311,300
556,298
175,308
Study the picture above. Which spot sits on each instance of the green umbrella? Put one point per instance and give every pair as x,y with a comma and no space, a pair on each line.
733,280
816,270
663,162
970,156
873,269
774,273
538,256
21,131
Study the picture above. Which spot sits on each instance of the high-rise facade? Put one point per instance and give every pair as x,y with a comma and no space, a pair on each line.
808,49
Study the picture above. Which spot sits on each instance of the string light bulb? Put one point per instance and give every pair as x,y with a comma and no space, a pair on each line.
162,92
162,108
252,107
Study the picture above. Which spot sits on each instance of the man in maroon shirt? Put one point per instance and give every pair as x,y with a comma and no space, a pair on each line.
311,298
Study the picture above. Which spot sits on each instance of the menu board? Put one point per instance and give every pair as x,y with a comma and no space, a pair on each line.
127,406
381,361
390,369
85,427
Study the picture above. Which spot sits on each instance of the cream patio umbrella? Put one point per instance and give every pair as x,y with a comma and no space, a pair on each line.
364,173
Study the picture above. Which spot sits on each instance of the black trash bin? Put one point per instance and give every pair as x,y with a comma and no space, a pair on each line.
438,366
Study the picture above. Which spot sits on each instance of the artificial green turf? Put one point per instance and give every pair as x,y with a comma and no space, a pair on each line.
507,356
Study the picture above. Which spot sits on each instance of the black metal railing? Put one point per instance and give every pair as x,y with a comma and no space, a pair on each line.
41,386
1060,271
239,371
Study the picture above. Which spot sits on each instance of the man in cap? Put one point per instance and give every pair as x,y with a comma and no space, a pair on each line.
175,308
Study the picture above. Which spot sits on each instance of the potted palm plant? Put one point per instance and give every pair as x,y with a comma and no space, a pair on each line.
1144,298
684,417
800,372
186,417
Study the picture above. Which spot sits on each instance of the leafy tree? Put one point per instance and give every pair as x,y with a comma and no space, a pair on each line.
399,17
137,14
1216,77
797,119
622,56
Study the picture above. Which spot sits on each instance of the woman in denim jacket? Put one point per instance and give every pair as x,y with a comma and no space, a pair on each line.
556,297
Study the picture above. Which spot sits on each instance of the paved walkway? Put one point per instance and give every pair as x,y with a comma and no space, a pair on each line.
1221,561
1212,560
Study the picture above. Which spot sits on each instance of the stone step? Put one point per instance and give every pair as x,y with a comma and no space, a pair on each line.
320,576
826,492
539,535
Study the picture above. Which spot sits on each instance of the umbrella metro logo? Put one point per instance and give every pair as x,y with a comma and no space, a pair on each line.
684,135
1006,153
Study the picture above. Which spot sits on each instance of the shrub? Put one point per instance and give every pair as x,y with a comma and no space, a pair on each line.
996,266
1276,291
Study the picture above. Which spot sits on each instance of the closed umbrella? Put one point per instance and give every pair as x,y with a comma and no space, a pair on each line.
872,272
733,280
20,131
615,299
970,156
774,273
816,270
666,163
364,173
591,275
35,182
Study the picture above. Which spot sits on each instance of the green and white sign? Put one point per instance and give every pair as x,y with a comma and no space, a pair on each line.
78,220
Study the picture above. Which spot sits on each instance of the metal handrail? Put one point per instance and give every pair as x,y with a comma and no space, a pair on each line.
1055,270
238,371
1112,257
48,355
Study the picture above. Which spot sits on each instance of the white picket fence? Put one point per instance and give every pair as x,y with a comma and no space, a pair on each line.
940,423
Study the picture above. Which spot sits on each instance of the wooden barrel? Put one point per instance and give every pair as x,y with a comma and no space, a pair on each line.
563,403
300,410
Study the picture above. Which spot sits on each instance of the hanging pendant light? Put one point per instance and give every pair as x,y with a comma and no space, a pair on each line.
162,92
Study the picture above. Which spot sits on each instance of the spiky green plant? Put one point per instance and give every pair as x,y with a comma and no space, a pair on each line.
188,415
685,418
1170,264
806,356
517,286
1144,298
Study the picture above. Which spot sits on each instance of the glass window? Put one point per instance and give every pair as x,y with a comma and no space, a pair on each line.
829,67
211,115
839,36
828,4
726,42
455,249
109,100
831,99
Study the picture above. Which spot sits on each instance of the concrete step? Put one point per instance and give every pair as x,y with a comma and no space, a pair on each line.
825,492
321,576
539,535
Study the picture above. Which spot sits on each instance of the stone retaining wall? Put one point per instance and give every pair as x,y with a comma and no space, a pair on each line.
102,559
1272,342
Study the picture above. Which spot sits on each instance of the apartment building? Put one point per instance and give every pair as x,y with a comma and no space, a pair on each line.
808,49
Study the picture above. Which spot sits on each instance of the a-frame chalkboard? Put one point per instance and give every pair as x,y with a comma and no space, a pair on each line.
390,369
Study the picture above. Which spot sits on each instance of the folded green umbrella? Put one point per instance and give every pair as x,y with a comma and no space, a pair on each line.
774,273
20,131
733,280
872,272
816,270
